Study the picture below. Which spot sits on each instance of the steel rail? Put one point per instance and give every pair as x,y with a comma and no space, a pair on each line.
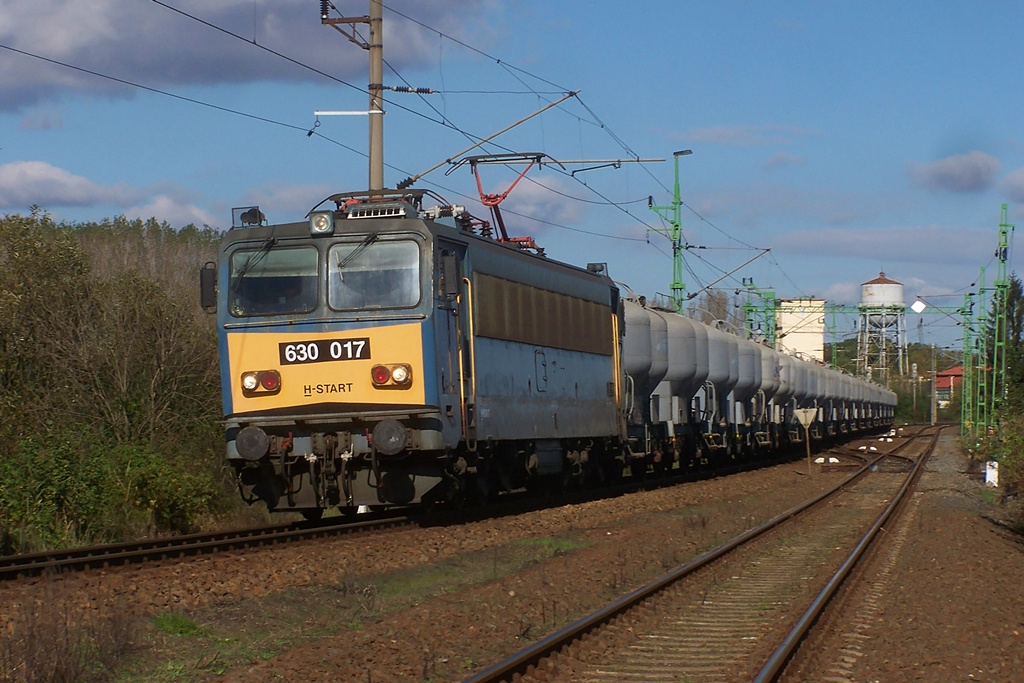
520,662
77,559
27,565
779,658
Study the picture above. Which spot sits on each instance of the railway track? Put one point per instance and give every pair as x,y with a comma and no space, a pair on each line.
27,565
750,601
98,556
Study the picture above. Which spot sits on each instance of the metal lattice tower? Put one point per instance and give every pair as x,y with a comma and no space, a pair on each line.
981,415
1002,289
671,213
760,316
968,408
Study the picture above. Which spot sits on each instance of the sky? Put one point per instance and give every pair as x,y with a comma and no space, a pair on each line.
831,141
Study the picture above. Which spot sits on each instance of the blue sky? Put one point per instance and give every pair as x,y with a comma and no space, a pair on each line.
847,138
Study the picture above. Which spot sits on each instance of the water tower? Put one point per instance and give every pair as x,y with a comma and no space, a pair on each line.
881,329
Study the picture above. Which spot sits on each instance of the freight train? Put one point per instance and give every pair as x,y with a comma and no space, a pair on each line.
384,352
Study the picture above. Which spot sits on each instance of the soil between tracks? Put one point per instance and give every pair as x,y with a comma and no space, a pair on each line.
436,604
946,606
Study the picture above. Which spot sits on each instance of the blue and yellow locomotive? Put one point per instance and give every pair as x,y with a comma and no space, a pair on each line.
384,353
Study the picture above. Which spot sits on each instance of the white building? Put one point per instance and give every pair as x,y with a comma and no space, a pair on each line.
800,328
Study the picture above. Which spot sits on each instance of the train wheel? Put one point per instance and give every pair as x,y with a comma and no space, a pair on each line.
313,515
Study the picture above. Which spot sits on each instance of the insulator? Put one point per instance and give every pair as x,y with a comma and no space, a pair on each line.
325,9
410,89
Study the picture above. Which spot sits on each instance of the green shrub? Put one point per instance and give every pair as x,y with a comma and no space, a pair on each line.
109,387
57,492
1011,467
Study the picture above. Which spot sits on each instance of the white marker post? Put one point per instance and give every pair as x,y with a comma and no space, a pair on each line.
806,417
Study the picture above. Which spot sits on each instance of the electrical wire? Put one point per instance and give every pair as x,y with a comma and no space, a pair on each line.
443,120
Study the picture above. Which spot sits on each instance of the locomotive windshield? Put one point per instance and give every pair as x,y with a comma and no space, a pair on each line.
373,274
267,281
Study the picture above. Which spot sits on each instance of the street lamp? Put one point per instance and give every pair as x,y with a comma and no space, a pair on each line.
918,307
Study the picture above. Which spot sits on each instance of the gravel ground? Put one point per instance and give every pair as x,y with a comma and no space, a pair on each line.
946,602
437,603
943,602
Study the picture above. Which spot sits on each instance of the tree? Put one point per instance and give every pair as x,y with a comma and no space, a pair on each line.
1015,346
109,391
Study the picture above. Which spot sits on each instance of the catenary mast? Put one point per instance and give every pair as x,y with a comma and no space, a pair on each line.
375,46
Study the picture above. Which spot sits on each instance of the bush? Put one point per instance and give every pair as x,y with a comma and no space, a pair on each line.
109,386
62,491
1011,467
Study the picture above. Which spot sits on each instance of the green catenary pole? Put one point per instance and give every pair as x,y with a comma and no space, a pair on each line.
671,213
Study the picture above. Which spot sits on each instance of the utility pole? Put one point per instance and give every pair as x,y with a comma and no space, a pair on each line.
375,46
981,374
671,214
914,383
935,377
376,96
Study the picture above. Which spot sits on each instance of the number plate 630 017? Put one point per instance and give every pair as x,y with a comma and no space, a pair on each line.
324,350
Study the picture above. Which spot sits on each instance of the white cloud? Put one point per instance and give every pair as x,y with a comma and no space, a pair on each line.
24,183
158,47
754,206
43,119
27,183
971,172
780,159
174,212
916,244
543,198
288,199
841,292
1014,185
745,135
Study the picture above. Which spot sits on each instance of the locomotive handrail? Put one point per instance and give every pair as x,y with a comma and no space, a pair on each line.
470,439
292,321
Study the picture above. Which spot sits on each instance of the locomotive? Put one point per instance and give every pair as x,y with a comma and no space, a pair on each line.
385,352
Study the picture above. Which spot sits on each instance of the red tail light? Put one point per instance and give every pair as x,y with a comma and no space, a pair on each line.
380,374
271,380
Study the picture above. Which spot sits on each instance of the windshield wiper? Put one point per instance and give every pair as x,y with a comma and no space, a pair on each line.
354,254
254,258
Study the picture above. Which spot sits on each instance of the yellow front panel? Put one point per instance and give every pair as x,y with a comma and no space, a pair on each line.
326,367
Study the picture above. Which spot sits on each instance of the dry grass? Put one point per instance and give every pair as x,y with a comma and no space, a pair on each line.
53,640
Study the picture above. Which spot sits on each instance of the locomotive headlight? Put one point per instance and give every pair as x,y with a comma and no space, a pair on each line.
400,374
250,381
321,223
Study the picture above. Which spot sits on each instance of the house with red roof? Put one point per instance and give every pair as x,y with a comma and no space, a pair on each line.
947,384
